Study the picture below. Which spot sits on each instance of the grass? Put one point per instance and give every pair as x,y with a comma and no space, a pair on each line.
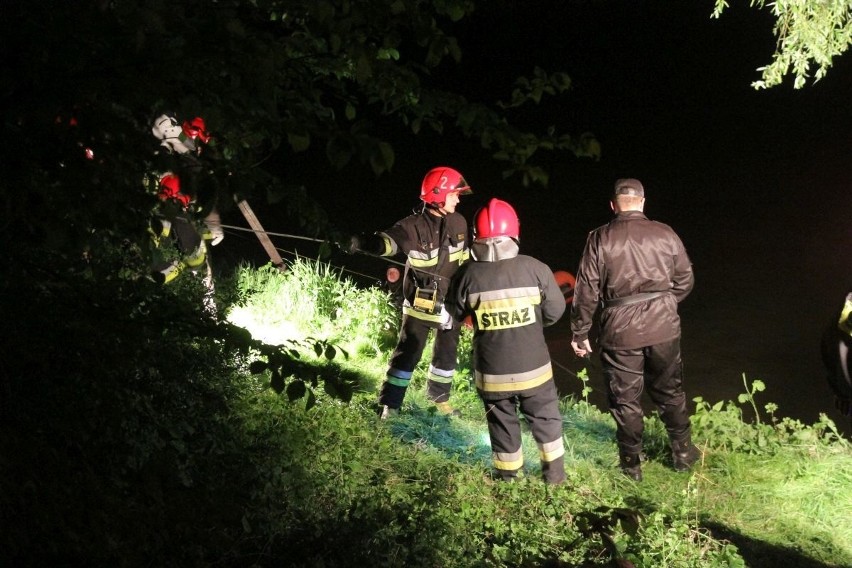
772,493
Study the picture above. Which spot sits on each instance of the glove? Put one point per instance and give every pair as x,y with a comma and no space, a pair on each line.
214,228
217,233
353,244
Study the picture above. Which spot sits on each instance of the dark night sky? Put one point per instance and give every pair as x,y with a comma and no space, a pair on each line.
755,182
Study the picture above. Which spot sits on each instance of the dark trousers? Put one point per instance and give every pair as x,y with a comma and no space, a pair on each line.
541,409
413,336
657,369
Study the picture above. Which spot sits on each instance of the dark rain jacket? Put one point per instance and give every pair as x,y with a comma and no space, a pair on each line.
636,271
510,300
435,247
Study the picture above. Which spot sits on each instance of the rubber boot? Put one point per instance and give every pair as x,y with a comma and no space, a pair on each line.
554,472
684,454
446,409
631,466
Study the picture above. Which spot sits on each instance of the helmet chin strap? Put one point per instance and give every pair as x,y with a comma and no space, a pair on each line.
437,208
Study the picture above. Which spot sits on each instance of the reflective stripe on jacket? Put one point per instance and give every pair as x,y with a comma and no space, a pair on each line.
510,301
435,247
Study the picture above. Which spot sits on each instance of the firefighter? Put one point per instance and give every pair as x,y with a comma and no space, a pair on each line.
182,145
511,298
178,244
837,357
434,240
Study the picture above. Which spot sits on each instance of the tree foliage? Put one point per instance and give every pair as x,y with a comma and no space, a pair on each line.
275,81
810,33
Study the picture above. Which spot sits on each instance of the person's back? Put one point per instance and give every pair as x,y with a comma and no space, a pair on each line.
636,271
511,298
636,258
509,295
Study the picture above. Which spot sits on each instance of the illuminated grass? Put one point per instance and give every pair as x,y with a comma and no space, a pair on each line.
773,492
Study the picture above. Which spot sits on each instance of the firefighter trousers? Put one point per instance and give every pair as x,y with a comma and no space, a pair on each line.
413,336
657,369
540,408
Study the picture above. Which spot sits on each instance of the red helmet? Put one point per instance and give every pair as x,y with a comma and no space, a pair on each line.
439,182
195,128
170,189
497,219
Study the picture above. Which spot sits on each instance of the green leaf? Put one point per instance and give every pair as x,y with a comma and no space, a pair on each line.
299,141
296,390
276,382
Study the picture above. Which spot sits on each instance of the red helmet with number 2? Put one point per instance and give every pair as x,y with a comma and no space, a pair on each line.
497,219
439,182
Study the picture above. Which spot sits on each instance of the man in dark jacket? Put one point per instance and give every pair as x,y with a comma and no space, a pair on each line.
636,271
511,298
434,240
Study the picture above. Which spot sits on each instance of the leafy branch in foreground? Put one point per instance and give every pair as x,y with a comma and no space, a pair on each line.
809,34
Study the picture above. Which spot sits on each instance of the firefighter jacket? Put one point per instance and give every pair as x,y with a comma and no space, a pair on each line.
636,270
435,247
511,298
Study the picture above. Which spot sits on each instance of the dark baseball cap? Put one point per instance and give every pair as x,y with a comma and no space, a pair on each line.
629,186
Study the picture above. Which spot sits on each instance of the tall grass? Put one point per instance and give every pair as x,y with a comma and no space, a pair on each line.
775,492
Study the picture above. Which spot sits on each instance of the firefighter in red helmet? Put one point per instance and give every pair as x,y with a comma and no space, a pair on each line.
511,298
177,242
434,240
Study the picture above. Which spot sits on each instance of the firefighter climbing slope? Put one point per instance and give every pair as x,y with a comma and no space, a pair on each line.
186,219
177,242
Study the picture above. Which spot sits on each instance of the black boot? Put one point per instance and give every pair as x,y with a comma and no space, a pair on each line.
684,454
631,466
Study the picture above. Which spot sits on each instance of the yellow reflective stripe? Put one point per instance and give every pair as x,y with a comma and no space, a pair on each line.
419,263
440,379
844,324
197,257
390,245
550,451
458,253
459,257
411,312
172,271
440,375
508,462
513,382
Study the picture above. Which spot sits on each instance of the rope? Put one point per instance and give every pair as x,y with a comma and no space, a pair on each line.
285,235
315,240
296,254
564,368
